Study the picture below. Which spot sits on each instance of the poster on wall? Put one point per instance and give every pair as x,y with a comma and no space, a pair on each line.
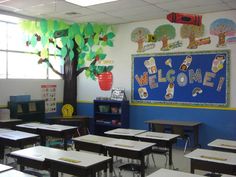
188,78
49,95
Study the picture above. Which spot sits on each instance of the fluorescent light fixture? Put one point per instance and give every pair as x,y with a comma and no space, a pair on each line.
85,3
8,18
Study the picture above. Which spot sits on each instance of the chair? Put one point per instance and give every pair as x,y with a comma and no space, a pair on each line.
183,135
155,148
135,168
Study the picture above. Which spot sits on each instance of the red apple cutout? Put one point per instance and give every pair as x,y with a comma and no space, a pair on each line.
105,80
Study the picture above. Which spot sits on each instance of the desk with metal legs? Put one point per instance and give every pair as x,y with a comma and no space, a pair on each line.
161,140
124,133
214,161
224,145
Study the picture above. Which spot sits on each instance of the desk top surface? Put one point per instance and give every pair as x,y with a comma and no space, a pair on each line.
157,136
2,130
42,153
11,173
93,139
128,144
173,122
124,132
75,117
16,135
213,156
223,143
10,120
41,126
4,167
171,173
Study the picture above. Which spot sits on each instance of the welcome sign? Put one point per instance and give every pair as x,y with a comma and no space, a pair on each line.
200,78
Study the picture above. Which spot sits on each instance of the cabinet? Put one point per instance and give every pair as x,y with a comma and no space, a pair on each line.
28,111
110,114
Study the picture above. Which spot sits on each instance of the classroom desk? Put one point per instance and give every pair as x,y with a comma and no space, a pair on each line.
82,122
9,123
92,143
44,130
4,168
224,145
129,149
57,160
179,124
171,173
214,161
16,139
11,173
124,133
161,140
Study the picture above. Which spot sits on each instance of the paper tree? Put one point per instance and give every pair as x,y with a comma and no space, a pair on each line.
79,45
139,35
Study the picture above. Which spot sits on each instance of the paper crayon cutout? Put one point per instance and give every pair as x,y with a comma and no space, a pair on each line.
168,62
186,63
203,41
190,19
151,65
142,91
196,91
217,63
170,91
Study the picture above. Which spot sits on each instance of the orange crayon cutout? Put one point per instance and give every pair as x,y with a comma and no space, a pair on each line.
184,18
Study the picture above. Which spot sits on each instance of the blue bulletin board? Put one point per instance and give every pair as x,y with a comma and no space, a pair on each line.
196,78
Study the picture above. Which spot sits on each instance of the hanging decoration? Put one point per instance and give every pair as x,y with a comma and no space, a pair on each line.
189,19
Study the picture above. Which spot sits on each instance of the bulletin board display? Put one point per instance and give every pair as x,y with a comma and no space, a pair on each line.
195,78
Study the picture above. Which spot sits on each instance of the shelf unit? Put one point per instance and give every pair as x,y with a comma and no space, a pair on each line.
110,114
28,111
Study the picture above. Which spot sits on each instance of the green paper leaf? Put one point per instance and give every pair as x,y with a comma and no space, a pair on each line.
43,26
110,43
109,68
81,61
92,76
92,54
79,40
96,39
102,56
44,40
51,26
104,44
63,52
87,73
100,69
82,55
70,44
85,48
97,28
71,54
33,41
99,51
64,41
56,25
89,29
110,35
90,42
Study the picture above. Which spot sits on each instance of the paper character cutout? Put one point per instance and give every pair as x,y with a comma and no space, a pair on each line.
218,63
142,91
223,27
196,91
190,19
170,91
143,79
139,35
151,65
186,63
168,62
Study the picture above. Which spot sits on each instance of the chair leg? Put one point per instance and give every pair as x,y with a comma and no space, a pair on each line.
153,160
186,144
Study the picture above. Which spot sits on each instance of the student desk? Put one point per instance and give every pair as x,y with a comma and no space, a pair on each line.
4,168
179,124
171,173
82,122
12,173
225,145
214,161
56,160
44,130
129,149
92,143
9,123
16,139
161,140
124,133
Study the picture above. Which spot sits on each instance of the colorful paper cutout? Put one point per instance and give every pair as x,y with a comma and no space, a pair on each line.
139,35
186,63
143,94
151,65
217,63
170,91
190,19
196,91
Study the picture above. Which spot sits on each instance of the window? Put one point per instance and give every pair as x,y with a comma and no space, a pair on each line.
19,61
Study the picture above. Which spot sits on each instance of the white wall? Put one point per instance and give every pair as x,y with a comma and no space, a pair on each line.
121,55
124,48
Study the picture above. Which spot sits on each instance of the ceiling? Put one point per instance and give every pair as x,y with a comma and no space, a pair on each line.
122,11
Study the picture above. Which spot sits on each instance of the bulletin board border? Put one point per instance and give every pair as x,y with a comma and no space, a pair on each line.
184,104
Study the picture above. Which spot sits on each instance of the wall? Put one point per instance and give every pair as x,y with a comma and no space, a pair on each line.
216,122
